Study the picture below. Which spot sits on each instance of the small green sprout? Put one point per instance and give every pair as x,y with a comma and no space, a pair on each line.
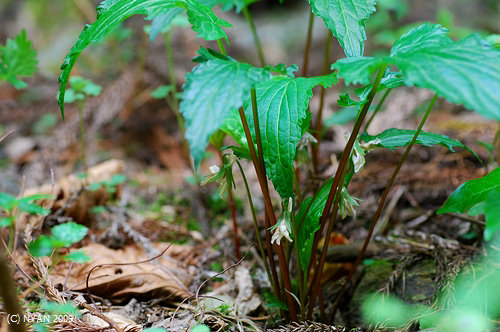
63,236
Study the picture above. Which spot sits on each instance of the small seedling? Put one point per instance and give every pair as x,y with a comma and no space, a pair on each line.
62,236
11,206
110,185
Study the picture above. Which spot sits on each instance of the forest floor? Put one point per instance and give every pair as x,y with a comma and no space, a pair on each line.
159,204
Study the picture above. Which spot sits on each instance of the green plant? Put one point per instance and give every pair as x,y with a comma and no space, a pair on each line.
17,59
224,309
47,313
62,236
110,185
481,196
11,206
267,114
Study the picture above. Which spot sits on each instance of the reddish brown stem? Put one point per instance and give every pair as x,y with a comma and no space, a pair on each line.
269,208
236,238
343,161
337,184
232,208
380,207
315,288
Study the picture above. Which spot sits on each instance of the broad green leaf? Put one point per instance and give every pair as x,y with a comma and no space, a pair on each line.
471,192
111,13
32,208
77,257
212,90
18,58
41,246
422,37
346,20
307,220
395,138
465,72
492,214
282,104
68,233
26,204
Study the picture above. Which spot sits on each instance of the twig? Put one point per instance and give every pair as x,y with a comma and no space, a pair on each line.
469,219
6,134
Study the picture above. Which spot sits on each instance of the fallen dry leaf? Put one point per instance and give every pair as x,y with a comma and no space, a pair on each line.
116,282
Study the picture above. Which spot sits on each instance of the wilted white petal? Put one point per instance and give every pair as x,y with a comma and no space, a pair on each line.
368,146
358,159
358,156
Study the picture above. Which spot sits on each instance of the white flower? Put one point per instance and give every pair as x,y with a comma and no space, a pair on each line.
348,204
280,231
282,227
214,169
